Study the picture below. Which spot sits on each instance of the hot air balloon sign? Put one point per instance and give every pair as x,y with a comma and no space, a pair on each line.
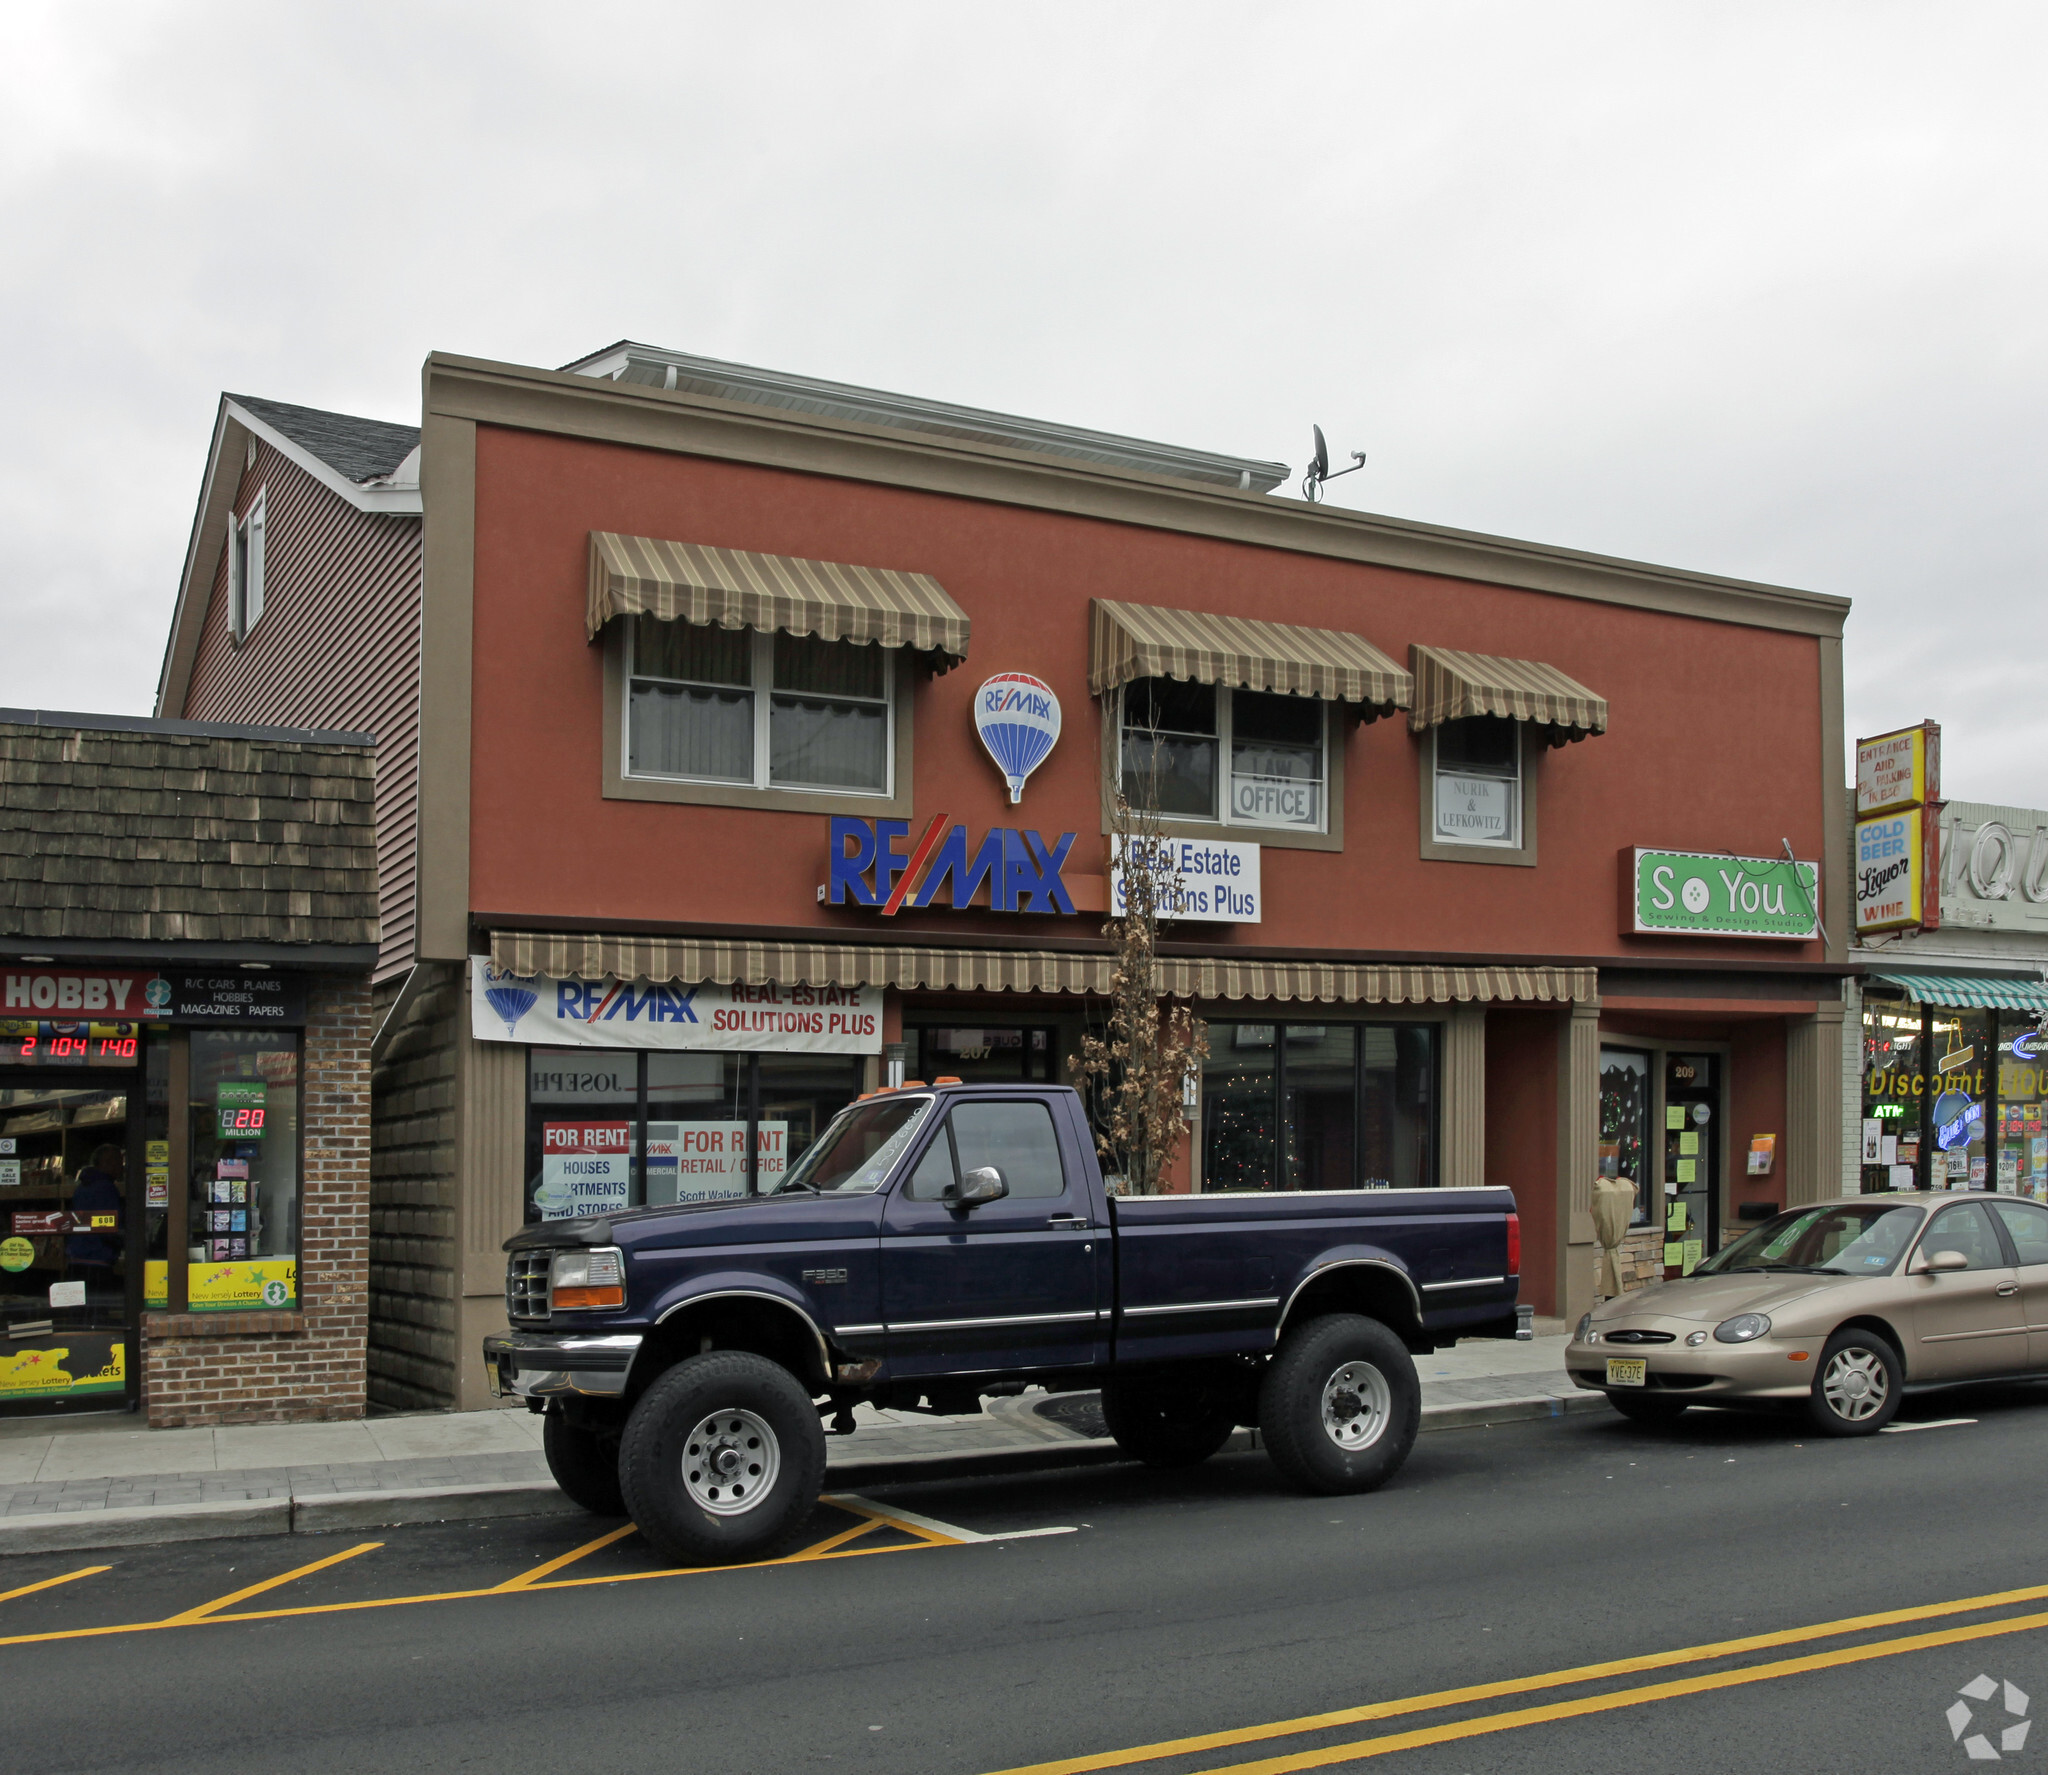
1018,718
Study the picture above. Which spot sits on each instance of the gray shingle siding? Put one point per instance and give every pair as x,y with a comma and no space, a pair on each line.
361,449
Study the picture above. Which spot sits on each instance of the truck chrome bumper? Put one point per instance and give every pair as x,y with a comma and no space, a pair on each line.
551,1364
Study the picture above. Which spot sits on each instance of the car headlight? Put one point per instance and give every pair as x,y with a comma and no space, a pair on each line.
1585,1325
1742,1329
587,1280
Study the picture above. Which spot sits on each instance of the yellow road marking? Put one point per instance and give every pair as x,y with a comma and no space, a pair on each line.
1523,1685
50,1583
526,1579
242,1595
1688,1685
839,1540
935,1534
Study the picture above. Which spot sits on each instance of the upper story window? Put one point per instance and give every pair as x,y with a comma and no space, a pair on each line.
1479,782
1239,757
761,710
245,570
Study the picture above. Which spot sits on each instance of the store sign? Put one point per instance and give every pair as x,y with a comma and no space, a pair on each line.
1711,894
1897,884
585,1168
1473,809
1018,718
264,1284
1197,879
176,996
873,863
65,1363
1994,867
707,1161
1898,770
540,1009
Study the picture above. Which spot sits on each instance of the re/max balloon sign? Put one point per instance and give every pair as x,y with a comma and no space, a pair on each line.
873,863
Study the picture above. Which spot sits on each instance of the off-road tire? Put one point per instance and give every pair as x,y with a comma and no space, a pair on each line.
1864,1349
1648,1408
1311,1359
1165,1423
653,1450
585,1464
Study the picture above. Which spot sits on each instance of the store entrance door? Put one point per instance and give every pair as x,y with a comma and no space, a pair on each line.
70,1164
1692,1160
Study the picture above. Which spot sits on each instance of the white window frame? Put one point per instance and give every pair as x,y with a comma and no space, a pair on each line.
762,689
245,569
1226,699
1516,839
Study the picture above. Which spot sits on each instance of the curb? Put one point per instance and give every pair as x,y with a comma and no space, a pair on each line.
236,1519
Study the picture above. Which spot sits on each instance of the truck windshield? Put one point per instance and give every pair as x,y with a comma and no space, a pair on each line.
855,1155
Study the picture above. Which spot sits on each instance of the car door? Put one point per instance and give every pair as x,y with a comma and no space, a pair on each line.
1007,1285
1966,1322
2026,1225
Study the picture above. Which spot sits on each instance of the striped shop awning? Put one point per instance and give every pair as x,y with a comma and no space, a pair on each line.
693,582
1450,685
2007,994
690,960
1128,641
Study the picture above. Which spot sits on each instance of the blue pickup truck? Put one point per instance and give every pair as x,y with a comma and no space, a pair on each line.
941,1243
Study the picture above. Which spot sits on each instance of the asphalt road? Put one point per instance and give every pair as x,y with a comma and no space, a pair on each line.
1210,1602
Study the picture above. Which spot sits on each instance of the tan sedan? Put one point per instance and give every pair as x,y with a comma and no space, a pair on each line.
1843,1307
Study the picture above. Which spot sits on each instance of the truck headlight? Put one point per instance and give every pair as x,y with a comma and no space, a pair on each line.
587,1280
1744,1328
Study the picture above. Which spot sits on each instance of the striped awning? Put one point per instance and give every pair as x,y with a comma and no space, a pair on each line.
2030,996
1128,641
1450,686
693,582
602,956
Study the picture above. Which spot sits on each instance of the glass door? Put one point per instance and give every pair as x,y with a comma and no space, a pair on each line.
1692,1160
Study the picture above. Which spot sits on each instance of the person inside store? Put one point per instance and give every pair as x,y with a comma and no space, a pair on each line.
98,1193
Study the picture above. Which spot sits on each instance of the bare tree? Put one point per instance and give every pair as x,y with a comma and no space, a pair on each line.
1138,1070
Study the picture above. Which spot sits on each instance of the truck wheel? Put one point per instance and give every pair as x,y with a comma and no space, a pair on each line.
722,1459
1340,1404
1165,1425
585,1464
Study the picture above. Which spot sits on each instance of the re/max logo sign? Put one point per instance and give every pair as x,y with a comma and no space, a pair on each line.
872,863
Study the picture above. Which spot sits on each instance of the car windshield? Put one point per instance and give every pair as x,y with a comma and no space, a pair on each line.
856,1153
1853,1239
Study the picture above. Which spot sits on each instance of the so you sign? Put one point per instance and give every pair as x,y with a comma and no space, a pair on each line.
1711,894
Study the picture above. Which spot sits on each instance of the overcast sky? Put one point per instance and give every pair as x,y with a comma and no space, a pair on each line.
1751,289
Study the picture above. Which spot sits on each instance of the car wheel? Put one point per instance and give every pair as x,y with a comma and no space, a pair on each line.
722,1459
1647,1408
1340,1404
1857,1385
585,1464
1165,1424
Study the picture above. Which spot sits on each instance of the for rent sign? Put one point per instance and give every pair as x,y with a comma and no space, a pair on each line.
1711,894
540,1009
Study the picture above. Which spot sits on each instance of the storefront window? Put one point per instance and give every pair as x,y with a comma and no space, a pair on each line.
1479,782
982,1055
1894,1086
242,1212
1319,1106
1175,737
1625,1123
1953,1099
1962,1045
2022,1139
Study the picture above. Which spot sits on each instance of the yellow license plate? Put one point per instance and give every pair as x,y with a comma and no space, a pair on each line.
1627,1371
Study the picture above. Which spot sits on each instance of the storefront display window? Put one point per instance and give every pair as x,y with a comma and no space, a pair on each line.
983,1055
1625,1123
626,1129
1953,1099
1319,1106
1176,738
242,1210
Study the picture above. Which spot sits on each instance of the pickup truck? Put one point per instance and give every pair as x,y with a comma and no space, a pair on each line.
941,1243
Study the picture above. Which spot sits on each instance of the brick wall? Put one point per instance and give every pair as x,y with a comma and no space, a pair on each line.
303,1366
413,1252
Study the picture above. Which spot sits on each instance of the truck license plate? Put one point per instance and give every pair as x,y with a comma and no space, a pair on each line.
1627,1371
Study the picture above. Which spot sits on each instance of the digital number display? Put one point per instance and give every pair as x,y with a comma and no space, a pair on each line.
24,1043
240,1109
240,1123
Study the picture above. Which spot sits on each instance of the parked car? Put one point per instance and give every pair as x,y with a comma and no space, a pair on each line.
939,1243
1843,1307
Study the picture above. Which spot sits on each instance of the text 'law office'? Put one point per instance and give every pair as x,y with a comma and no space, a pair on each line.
745,741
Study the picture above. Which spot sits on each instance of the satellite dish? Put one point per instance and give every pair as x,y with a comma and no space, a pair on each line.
1318,470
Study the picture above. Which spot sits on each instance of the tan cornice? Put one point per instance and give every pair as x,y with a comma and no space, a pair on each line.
662,419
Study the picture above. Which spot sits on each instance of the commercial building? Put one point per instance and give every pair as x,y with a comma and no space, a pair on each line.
742,737
188,920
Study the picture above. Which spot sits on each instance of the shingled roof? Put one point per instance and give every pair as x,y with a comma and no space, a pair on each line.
361,449
132,831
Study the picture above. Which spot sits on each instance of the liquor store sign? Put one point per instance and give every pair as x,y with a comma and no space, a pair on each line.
1711,894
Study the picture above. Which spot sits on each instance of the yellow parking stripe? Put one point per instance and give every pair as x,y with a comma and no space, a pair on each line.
1523,1685
1619,1698
51,1583
242,1595
526,1579
839,1540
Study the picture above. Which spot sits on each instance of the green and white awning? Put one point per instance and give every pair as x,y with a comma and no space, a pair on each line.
1978,993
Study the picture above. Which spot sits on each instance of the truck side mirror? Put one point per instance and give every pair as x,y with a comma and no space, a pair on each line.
984,1184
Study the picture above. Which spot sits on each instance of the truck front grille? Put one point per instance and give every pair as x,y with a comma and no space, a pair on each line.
526,1284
